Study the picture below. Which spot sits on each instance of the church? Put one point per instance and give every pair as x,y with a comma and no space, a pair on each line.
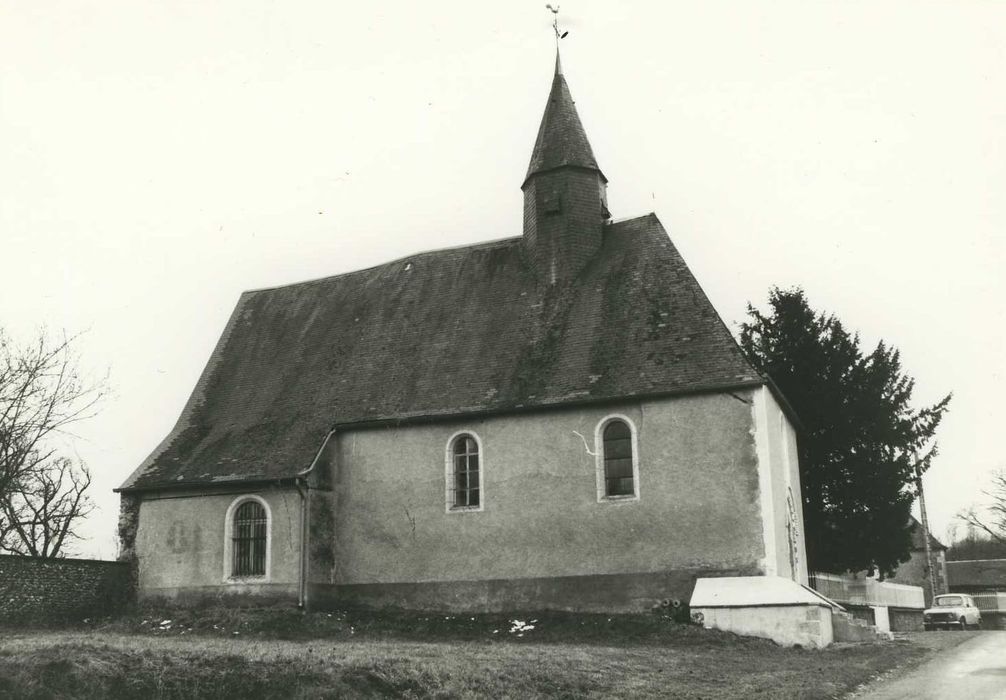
557,420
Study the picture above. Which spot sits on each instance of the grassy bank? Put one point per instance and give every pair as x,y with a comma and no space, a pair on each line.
265,654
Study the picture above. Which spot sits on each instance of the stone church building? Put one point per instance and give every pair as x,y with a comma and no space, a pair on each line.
555,420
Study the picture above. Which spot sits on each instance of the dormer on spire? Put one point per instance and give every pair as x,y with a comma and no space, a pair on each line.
565,192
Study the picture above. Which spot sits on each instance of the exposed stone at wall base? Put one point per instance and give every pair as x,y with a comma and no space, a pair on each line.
231,595
905,620
129,521
901,619
34,590
592,593
861,612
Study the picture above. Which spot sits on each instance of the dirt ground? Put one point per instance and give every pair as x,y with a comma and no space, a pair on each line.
232,655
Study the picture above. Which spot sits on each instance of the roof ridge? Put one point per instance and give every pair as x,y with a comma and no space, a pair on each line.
627,219
496,242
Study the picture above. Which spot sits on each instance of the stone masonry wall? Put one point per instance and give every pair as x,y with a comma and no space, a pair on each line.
36,590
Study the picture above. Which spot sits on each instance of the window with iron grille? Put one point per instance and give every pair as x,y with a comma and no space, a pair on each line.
466,472
249,536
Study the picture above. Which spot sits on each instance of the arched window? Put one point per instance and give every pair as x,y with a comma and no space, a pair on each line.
618,465
464,473
249,540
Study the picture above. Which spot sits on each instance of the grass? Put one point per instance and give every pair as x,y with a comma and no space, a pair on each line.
283,654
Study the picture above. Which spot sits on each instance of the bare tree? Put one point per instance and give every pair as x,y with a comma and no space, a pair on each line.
40,509
991,517
42,395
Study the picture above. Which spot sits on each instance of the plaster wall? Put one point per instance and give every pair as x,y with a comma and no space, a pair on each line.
807,625
180,546
882,618
782,499
698,509
914,572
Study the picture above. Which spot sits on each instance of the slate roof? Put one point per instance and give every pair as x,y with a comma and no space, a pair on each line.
561,139
464,330
981,573
918,541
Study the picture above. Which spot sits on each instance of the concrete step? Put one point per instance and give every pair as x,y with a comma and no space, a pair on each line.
852,629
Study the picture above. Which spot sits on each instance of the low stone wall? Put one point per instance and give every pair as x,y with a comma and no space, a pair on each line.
34,590
862,612
905,620
899,619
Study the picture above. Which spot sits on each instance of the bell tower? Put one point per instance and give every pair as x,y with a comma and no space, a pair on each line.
565,192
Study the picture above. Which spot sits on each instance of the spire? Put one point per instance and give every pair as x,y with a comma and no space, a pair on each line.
561,139
565,193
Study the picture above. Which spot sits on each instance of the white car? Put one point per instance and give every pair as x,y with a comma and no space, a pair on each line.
955,610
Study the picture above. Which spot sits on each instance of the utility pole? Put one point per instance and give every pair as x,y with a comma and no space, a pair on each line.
925,531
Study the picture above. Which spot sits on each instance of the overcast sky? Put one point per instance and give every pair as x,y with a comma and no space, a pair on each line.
157,158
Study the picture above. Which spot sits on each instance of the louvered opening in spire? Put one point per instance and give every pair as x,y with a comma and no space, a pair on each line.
561,139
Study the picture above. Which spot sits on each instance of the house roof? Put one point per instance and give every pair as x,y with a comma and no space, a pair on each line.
919,541
458,331
561,140
985,573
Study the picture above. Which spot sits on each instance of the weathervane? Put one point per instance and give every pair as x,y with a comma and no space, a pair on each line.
555,24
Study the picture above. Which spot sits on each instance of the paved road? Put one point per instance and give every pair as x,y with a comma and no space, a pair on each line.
975,670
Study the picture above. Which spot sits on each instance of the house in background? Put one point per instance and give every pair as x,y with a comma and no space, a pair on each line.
555,420
977,575
985,581
894,603
914,572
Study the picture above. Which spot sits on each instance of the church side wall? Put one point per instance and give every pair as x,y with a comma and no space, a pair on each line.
783,500
180,547
543,539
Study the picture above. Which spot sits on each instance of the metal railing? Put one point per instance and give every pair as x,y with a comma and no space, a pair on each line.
868,591
990,601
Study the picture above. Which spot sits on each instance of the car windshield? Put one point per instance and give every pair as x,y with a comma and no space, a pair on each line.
949,601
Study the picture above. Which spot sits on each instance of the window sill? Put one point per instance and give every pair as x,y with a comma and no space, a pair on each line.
464,509
238,580
618,499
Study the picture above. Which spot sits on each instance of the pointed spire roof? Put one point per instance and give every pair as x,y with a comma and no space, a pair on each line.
561,138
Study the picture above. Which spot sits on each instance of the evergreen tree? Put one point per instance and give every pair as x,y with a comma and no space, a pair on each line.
861,441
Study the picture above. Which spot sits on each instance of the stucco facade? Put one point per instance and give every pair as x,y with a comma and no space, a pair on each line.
782,500
714,479
181,546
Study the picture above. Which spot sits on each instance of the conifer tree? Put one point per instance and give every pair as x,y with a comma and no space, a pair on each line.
861,441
